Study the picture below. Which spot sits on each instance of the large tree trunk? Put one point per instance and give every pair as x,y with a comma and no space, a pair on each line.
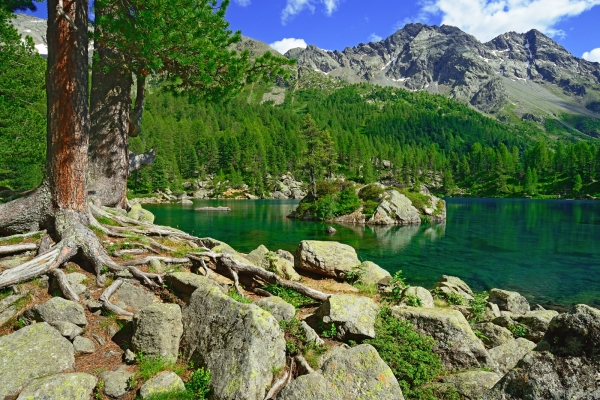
110,114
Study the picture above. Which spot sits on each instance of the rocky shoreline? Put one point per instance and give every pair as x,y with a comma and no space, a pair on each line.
257,345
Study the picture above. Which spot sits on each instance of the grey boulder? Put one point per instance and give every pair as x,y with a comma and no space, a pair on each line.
241,344
417,293
537,323
116,382
132,297
509,354
509,301
372,273
472,385
331,259
576,332
279,308
494,335
395,209
457,345
355,373
184,283
83,345
354,317
451,285
34,351
57,309
67,329
75,386
157,330
271,261
163,383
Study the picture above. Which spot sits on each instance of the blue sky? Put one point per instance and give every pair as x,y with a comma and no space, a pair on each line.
336,24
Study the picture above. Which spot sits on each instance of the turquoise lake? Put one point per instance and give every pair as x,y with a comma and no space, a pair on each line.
547,250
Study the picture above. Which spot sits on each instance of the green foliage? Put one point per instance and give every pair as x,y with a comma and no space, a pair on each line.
330,332
413,301
236,296
478,304
419,200
409,354
199,384
355,274
518,330
150,366
398,285
289,295
481,335
296,342
455,299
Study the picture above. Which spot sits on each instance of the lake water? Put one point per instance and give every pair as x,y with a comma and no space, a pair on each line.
547,250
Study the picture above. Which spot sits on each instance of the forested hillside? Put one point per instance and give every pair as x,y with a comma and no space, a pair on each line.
379,133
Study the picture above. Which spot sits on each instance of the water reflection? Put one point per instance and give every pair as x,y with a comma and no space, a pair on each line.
545,249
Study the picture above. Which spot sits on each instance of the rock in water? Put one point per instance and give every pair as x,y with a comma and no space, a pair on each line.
157,330
331,259
355,373
76,386
330,230
240,344
458,346
34,351
354,317
395,209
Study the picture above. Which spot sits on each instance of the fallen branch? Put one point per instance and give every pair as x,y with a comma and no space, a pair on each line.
66,289
17,248
106,295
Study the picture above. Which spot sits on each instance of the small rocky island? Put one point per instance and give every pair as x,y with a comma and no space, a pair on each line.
374,204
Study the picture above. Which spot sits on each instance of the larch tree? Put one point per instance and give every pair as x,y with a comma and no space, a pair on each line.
60,204
319,154
185,46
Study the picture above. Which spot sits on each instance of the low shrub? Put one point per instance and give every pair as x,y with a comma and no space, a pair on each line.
409,354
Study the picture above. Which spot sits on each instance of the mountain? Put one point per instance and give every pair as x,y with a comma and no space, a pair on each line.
527,73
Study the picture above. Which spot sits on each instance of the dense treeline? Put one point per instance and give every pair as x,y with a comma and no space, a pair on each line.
378,133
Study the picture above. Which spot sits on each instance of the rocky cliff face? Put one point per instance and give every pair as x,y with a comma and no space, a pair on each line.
523,69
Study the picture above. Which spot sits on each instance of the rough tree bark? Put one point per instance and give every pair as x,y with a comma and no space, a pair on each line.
110,110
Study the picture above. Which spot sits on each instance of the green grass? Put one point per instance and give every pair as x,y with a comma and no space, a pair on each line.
289,295
150,366
196,388
236,296
107,221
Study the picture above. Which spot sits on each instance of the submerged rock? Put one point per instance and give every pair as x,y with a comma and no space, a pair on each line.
241,344
331,259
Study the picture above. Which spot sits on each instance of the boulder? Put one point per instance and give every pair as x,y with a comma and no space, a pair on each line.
309,387
417,292
472,385
83,345
116,382
139,214
285,254
458,346
157,330
451,285
132,297
75,386
509,301
395,209
508,354
544,376
156,266
354,317
495,335
279,308
354,373
57,309
67,329
8,307
310,334
34,351
537,323
262,257
372,273
491,311
163,383
241,344
331,259
184,283
575,333
331,230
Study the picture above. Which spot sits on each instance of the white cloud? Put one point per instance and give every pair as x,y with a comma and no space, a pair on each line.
243,3
294,7
593,55
286,44
375,38
486,19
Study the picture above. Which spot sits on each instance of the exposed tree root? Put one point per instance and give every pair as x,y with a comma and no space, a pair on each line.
107,294
45,245
281,382
22,236
66,289
17,248
166,260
